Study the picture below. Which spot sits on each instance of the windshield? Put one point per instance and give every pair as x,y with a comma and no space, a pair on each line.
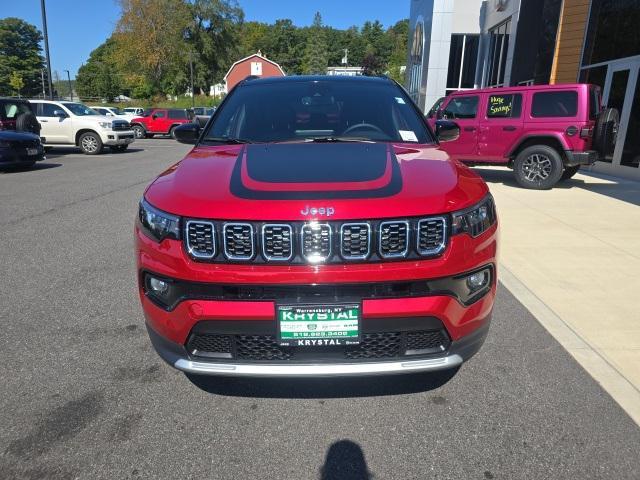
80,109
115,110
319,110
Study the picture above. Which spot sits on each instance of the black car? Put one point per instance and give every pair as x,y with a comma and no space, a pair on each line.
20,149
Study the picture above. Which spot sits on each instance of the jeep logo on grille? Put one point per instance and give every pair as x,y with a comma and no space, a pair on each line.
326,211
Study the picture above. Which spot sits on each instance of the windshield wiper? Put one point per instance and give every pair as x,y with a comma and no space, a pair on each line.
227,140
338,139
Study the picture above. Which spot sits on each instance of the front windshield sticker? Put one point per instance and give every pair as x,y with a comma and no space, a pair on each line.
400,100
408,135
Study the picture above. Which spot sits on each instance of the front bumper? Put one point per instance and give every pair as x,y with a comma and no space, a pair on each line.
114,138
19,157
459,351
573,159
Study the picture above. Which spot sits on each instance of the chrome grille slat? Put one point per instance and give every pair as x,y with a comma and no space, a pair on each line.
238,241
277,241
393,239
315,240
201,239
432,235
355,241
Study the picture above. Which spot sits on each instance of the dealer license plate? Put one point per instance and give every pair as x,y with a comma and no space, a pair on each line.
318,325
32,151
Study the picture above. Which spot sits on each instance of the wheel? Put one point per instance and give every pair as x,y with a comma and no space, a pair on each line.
90,143
569,172
139,131
119,148
605,133
172,132
538,167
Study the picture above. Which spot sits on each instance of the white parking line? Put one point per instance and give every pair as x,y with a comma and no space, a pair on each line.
614,383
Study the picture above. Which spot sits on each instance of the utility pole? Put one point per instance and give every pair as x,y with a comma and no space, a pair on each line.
44,93
46,46
70,87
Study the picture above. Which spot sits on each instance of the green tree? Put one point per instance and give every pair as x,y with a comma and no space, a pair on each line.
101,77
399,36
213,36
316,50
20,52
16,82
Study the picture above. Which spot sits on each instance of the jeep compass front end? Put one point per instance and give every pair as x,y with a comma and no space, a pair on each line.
316,229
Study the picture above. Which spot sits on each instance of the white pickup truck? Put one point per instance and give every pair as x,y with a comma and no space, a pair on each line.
70,123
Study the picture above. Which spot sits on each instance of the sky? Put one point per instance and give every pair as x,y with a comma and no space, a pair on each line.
76,27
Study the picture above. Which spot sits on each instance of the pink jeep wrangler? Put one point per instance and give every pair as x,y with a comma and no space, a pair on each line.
543,132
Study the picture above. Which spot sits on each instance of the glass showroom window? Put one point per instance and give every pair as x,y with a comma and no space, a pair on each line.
463,57
415,61
498,48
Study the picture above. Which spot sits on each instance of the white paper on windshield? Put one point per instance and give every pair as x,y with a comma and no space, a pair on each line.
408,135
400,100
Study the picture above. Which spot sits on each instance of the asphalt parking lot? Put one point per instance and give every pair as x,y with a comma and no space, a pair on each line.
83,395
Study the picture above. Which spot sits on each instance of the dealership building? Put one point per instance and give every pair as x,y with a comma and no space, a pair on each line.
466,44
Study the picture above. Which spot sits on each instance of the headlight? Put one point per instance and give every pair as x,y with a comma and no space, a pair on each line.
475,220
105,125
158,224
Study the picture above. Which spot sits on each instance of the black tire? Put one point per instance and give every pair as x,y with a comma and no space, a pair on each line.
139,131
172,132
90,143
27,122
605,133
119,148
538,167
569,172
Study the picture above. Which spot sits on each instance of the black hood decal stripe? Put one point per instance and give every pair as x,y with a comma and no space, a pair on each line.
374,152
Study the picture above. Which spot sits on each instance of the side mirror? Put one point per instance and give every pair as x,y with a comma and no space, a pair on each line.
187,133
154,116
447,131
440,114
110,114
60,113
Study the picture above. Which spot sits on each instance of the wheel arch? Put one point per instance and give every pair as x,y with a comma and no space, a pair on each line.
550,140
82,131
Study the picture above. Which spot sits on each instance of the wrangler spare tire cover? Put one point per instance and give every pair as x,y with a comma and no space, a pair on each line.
27,122
606,133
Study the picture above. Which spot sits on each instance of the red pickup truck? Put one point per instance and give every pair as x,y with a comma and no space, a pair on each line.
159,121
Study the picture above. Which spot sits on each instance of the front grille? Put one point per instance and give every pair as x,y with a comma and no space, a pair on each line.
238,241
355,241
265,348
201,239
300,243
316,242
277,241
394,239
432,235
120,125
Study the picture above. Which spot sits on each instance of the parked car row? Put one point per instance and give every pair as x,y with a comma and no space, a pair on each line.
29,128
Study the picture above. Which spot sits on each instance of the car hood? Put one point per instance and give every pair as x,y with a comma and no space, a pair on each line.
315,181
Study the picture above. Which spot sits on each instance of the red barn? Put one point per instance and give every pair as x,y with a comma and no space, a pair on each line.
254,64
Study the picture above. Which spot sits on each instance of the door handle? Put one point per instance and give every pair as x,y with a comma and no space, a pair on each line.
469,129
509,128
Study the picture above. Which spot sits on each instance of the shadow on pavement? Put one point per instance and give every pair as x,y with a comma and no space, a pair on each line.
618,188
36,167
337,387
345,461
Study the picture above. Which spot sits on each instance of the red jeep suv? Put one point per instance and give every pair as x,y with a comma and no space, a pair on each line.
159,121
316,228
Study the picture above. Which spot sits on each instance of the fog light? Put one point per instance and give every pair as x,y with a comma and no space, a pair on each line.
158,286
477,281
